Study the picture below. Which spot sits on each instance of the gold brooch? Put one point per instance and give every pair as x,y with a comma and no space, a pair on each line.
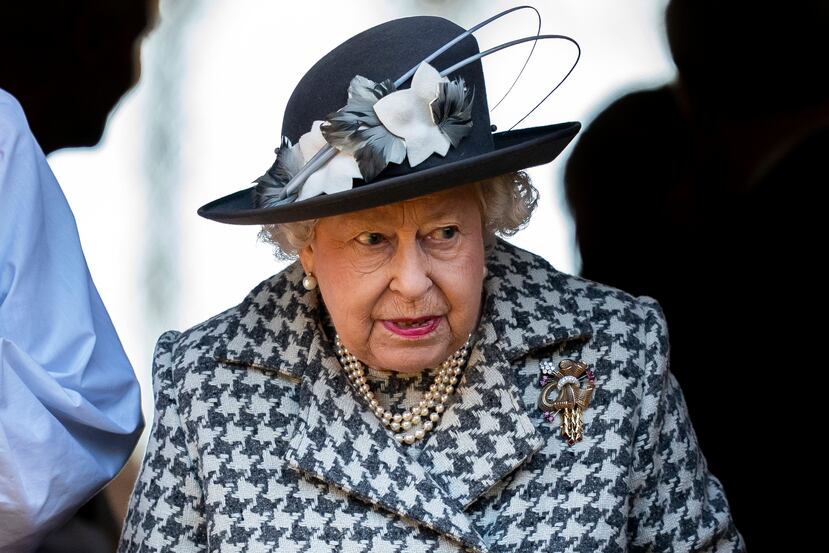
562,391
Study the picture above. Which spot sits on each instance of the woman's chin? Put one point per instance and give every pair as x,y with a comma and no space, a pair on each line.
411,356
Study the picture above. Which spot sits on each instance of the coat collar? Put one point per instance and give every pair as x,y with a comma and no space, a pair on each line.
485,433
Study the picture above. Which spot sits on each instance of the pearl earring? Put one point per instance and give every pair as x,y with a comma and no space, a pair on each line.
309,282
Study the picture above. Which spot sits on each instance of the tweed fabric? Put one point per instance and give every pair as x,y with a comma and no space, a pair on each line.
260,444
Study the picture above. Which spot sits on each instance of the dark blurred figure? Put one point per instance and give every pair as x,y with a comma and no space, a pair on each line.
704,195
68,63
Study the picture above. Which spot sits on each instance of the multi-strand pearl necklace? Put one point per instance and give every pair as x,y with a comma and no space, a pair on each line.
413,424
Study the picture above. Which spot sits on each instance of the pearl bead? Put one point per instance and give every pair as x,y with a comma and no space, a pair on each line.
415,420
397,417
395,426
449,390
434,417
406,425
409,439
407,416
419,434
427,426
399,438
439,409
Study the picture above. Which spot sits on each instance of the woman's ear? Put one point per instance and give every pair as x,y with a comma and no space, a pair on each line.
306,258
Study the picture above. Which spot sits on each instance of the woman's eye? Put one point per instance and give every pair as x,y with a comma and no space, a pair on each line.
444,233
370,238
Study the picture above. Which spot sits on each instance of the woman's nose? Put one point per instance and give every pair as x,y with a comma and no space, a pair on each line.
410,271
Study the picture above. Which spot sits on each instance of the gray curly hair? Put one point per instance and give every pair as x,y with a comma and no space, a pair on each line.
506,201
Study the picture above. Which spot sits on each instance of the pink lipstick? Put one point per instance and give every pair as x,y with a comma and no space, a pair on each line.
412,328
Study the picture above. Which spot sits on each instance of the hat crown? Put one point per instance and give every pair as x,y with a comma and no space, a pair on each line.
388,51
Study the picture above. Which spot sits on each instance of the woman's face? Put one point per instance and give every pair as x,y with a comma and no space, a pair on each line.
402,282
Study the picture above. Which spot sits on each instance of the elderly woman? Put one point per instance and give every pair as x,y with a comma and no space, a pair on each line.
414,383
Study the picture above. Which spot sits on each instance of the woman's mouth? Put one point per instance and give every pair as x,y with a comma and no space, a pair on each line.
412,328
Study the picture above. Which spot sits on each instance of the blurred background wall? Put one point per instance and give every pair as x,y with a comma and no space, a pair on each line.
206,115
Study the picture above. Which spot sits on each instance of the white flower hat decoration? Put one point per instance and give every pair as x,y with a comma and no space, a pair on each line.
408,114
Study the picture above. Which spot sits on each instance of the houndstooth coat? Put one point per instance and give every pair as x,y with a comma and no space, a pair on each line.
260,444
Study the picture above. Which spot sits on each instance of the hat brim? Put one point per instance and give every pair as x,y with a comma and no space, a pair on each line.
514,150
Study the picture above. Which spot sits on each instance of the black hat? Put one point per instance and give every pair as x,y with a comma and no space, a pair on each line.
372,163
